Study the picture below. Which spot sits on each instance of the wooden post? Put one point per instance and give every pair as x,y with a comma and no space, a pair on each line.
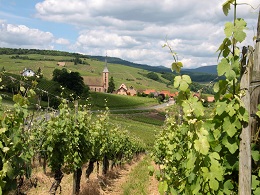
250,82
245,142
78,172
255,83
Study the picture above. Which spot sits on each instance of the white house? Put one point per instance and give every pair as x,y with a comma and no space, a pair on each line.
28,73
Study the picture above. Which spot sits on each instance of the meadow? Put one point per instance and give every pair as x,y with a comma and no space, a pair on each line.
122,74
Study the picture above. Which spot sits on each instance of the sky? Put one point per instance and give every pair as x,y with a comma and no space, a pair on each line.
133,30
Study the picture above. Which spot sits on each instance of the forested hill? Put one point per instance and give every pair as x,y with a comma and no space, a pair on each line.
212,69
201,74
115,60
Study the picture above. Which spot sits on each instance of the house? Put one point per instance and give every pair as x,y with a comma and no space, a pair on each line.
123,90
28,73
131,91
166,93
98,84
61,64
148,91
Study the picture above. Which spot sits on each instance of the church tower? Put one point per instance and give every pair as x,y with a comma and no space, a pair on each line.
105,76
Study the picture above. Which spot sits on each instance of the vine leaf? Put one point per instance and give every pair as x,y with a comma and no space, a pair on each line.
222,67
163,186
255,155
224,48
176,66
228,186
182,82
236,29
229,127
202,145
226,6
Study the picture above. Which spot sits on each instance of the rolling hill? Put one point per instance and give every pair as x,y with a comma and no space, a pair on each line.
132,74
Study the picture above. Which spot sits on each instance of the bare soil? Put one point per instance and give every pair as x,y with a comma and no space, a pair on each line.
111,184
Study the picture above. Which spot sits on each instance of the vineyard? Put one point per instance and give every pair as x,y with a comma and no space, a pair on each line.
211,154
66,141
200,150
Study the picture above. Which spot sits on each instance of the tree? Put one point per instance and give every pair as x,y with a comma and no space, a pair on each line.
111,85
39,73
72,80
153,76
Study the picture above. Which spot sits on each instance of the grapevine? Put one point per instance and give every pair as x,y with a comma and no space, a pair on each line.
198,153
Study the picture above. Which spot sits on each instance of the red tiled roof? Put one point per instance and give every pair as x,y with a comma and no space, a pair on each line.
148,91
210,99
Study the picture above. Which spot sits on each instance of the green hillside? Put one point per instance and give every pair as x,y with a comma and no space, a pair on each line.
16,60
130,76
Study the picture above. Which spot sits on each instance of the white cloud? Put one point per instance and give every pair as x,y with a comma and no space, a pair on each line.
21,35
134,30
96,38
62,41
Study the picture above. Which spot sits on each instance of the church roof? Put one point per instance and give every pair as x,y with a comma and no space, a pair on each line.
93,81
105,69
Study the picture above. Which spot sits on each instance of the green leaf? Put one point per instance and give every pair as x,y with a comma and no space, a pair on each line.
222,67
255,155
22,89
229,27
257,191
239,34
255,182
220,107
230,144
186,78
229,127
177,80
202,145
224,48
151,170
176,66
6,149
213,183
2,130
216,87
226,6
214,155
228,186
183,86
230,74
163,186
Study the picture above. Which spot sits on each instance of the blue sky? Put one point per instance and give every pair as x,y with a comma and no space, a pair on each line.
133,30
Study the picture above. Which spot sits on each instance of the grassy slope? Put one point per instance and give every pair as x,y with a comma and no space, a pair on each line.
121,74
112,101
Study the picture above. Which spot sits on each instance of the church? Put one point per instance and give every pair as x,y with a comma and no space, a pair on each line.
98,84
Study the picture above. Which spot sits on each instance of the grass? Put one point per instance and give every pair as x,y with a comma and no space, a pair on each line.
138,179
144,131
112,101
146,119
122,74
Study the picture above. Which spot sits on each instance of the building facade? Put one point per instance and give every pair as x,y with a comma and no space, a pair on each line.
98,84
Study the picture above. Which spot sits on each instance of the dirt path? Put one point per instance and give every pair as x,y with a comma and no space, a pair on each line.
97,185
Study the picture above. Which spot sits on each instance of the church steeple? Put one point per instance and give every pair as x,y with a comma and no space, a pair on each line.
105,76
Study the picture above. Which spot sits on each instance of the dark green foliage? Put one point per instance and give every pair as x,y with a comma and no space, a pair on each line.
11,51
72,80
111,85
168,76
153,76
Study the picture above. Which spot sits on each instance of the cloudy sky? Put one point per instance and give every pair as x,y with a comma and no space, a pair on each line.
133,30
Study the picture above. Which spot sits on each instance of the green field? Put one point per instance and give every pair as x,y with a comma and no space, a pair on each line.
122,74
